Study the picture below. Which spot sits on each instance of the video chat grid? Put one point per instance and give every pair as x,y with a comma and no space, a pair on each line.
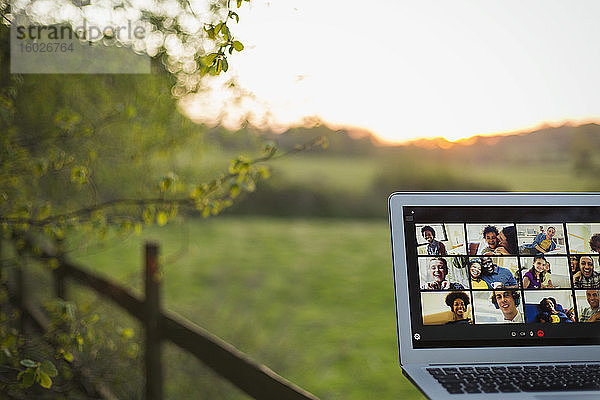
562,247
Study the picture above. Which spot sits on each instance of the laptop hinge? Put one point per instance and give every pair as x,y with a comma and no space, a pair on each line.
510,362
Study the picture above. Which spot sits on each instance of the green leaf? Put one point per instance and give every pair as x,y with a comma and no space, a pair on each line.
44,211
168,182
130,111
210,59
45,380
264,172
270,148
29,363
48,368
235,16
125,227
238,45
225,65
161,218
68,356
196,193
70,311
79,174
9,342
127,333
148,215
53,263
234,191
28,377
218,28
239,3
211,33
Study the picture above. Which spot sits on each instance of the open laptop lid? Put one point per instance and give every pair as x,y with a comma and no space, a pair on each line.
430,331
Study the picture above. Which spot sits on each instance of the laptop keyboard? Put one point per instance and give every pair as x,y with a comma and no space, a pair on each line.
529,378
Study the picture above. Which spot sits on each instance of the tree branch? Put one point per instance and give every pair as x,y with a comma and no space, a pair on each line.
212,187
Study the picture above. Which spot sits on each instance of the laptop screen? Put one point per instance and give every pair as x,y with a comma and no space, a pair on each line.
503,276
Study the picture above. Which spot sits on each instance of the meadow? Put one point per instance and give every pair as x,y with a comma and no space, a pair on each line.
310,298
309,295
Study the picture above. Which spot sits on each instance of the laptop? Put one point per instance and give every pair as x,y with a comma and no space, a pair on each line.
497,293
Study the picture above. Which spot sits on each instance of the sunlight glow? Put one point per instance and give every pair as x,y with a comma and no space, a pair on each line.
411,69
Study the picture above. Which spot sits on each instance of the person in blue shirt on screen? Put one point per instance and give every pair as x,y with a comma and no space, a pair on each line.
496,276
542,244
550,313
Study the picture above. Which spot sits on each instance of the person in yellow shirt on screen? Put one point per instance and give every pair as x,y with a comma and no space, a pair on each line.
547,281
475,273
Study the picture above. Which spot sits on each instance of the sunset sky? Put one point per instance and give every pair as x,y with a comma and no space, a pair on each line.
410,69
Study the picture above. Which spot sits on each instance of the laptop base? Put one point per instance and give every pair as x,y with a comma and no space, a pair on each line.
506,381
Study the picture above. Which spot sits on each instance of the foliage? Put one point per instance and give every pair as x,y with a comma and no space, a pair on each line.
87,152
76,339
189,40
96,161
63,136
81,338
37,372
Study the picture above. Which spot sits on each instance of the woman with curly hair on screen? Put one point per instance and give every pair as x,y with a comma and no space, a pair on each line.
458,302
475,273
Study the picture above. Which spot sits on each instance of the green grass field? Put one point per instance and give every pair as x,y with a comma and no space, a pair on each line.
312,299
352,175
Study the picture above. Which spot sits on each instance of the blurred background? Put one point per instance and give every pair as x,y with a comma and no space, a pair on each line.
291,262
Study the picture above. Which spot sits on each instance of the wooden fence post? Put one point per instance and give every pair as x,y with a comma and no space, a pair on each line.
153,366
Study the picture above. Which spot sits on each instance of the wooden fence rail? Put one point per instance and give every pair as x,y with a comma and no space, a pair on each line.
256,380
